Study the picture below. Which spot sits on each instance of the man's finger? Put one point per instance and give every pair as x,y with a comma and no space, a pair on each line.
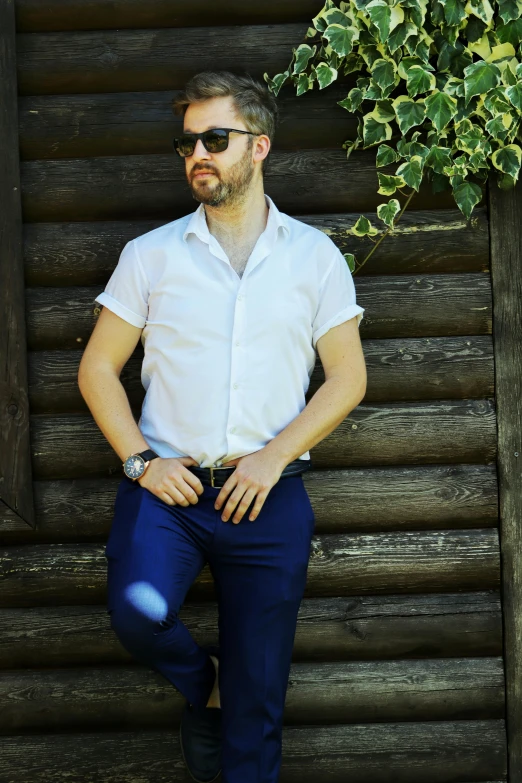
245,503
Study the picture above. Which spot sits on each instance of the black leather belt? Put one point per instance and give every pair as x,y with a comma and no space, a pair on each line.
216,476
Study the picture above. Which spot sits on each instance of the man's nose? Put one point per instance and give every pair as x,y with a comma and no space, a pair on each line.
200,151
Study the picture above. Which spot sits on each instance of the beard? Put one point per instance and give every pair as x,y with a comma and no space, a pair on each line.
231,185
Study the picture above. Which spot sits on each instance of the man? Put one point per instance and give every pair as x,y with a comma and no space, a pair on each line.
231,303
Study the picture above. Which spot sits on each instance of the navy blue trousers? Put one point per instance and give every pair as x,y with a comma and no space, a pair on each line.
154,553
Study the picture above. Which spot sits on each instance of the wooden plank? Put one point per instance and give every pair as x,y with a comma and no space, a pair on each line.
16,493
340,565
344,500
114,697
33,16
448,431
429,242
403,369
431,751
366,627
506,264
127,187
134,123
430,306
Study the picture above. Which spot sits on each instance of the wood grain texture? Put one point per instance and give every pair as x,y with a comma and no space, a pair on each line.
134,123
340,565
33,16
363,627
402,369
430,306
446,431
425,242
506,270
431,751
132,187
16,492
127,697
344,500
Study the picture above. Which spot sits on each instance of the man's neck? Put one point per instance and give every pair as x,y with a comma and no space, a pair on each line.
241,222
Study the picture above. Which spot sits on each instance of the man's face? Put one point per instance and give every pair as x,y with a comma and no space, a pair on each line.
222,177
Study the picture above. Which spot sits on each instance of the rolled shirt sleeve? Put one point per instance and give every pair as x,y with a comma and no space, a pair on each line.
337,300
127,291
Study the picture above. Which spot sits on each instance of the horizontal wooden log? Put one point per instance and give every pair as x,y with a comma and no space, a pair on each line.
403,369
430,242
338,692
128,187
366,627
395,306
448,431
33,16
344,501
431,751
340,565
135,123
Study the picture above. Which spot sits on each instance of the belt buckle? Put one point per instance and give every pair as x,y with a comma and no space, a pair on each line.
212,468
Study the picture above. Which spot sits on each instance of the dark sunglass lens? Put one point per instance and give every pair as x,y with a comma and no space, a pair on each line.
186,145
216,140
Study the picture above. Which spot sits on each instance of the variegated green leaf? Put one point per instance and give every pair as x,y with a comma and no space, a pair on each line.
467,195
325,75
383,72
439,158
411,172
388,183
353,100
440,108
303,54
515,95
419,80
375,132
363,228
508,159
350,260
341,38
387,212
409,112
385,155
380,14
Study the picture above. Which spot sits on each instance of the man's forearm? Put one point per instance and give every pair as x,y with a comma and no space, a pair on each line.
108,402
329,406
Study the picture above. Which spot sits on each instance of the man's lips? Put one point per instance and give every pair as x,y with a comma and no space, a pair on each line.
204,174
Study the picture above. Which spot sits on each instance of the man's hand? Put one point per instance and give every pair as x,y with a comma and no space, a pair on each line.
171,481
254,477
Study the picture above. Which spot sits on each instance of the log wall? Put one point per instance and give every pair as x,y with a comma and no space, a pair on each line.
398,670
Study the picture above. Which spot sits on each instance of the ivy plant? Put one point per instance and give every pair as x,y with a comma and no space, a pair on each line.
439,92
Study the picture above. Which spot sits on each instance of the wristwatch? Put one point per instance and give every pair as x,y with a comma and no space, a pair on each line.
136,464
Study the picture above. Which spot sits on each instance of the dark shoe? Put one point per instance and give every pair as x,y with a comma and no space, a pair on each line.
200,738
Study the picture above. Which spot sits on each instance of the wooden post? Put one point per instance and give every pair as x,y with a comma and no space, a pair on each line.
16,488
505,211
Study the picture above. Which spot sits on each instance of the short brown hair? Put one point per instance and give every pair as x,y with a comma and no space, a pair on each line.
253,101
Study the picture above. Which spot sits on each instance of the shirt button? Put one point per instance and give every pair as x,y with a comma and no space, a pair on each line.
235,386
240,296
237,342
232,429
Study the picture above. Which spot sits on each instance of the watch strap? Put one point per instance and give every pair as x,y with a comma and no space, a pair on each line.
148,454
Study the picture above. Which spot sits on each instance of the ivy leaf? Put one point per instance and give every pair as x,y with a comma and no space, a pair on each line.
353,100
303,54
467,195
438,158
508,10
350,260
440,108
277,82
380,14
383,72
304,83
507,159
454,11
515,95
409,112
364,228
341,38
480,77
387,212
374,132
399,35
411,172
325,75
388,183
419,80
385,155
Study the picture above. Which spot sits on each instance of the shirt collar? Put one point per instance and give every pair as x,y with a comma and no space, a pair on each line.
198,222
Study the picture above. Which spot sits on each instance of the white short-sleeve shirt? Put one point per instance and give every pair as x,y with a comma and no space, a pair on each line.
227,359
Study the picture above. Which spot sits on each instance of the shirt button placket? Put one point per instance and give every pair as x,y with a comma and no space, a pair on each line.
235,365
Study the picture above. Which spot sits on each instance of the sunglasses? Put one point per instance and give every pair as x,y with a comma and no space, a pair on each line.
214,140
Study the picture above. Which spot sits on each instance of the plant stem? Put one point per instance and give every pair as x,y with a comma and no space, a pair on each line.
378,242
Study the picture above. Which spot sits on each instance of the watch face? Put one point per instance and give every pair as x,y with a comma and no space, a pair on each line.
134,466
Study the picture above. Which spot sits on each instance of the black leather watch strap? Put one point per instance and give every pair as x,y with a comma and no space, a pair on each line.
148,454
